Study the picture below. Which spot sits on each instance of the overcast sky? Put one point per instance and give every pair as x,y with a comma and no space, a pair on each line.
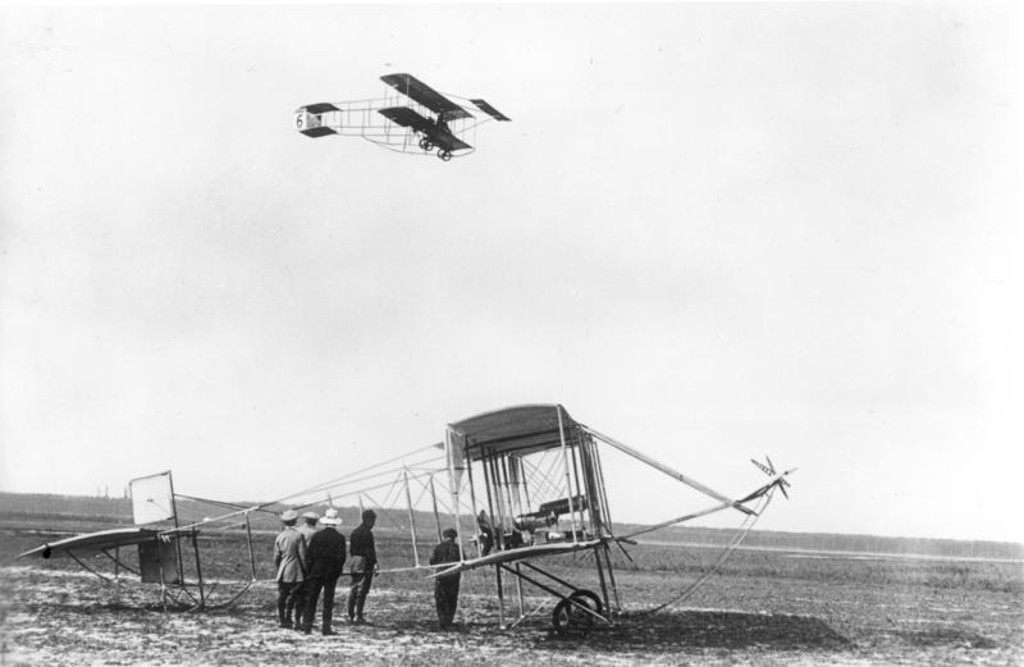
711,231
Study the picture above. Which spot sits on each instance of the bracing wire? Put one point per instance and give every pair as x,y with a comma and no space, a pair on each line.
317,488
741,533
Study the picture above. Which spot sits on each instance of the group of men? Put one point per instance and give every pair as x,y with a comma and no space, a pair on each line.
310,562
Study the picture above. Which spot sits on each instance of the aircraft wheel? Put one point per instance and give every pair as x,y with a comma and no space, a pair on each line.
425,144
595,599
444,155
574,616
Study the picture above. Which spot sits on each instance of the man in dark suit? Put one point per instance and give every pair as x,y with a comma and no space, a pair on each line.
446,589
364,565
325,561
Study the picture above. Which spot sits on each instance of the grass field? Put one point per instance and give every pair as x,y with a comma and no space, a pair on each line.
784,601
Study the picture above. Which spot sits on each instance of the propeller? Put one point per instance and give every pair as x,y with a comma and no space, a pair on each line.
779,479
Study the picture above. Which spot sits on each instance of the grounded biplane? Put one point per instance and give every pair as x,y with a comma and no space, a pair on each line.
417,119
521,485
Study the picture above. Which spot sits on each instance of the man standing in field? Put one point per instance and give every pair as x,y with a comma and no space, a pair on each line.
364,565
301,594
325,561
446,589
289,554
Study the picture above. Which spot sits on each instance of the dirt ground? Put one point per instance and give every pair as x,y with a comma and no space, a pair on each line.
61,617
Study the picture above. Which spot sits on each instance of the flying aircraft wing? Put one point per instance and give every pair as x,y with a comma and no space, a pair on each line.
320,107
439,136
407,117
98,541
420,92
446,140
522,553
490,110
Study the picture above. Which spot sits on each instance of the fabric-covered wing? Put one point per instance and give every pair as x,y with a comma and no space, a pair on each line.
406,117
521,429
321,107
420,92
489,110
104,539
446,140
511,555
439,136
317,132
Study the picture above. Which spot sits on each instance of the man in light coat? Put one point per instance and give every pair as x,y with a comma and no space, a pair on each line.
289,559
301,595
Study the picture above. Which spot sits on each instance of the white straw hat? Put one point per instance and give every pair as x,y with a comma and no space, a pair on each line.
331,518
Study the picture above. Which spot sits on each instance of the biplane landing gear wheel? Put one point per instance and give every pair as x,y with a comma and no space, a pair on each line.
425,144
444,155
574,615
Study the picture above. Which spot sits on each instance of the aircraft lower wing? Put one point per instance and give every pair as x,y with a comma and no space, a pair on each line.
407,117
447,141
98,541
439,136
522,553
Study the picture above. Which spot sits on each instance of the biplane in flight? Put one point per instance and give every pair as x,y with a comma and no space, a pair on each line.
522,485
412,117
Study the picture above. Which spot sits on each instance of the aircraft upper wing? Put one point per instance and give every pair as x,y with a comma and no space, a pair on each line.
321,107
98,541
420,92
440,137
522,553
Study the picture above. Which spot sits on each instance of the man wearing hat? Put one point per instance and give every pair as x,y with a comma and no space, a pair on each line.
289,558
446,589
301,593
325,559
